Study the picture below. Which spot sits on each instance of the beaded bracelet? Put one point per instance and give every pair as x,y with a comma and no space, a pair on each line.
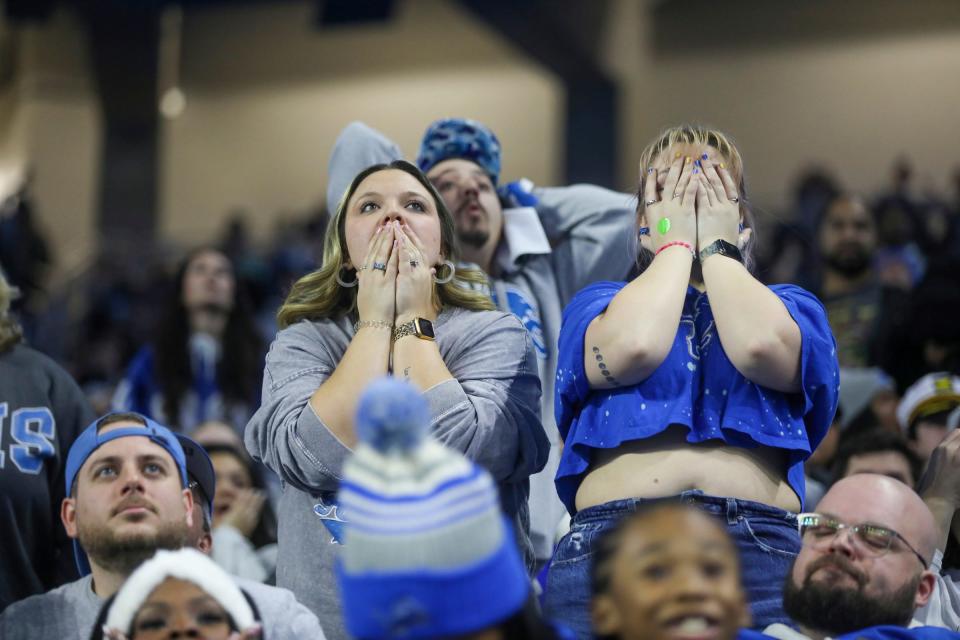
678,243
376,324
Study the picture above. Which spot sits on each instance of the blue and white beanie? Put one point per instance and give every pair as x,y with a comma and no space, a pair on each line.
427,552
460,138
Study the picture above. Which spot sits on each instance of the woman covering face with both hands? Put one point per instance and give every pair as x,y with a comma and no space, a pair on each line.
694,381
388,300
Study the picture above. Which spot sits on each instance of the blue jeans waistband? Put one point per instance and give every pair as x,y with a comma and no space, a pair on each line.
729,508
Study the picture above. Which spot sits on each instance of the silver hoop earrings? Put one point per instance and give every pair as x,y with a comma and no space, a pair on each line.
343,283
453,270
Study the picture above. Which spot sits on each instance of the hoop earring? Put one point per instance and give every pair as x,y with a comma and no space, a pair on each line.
453,270
343,283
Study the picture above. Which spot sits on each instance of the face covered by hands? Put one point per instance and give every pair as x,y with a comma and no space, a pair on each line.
393,235
690,197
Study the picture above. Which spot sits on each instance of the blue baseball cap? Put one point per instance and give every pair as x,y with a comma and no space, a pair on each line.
91,439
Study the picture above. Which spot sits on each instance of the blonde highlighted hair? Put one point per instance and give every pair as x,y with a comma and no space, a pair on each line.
700,136
318,295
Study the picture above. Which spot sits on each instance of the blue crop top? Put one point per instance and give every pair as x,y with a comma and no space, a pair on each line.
696,386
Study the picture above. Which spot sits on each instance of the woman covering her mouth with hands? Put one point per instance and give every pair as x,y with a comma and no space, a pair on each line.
694,381
388,300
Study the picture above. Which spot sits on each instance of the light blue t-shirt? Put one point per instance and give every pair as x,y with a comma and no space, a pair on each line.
696,386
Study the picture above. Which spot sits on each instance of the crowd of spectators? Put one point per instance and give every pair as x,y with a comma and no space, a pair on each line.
549,484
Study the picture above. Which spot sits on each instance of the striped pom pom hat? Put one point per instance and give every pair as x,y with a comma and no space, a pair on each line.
427,552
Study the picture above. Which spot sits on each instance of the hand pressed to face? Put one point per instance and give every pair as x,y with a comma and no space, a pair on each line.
672,218
713,203
718,206
237,503
414,281
382,202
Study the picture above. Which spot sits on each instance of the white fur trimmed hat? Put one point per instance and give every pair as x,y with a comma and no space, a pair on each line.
185,564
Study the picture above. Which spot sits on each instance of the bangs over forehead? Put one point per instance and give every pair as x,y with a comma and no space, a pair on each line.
697,136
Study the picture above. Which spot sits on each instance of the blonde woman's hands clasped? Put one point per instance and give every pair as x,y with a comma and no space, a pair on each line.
414,277
377,278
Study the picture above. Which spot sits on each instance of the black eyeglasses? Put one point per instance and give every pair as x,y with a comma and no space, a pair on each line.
816,529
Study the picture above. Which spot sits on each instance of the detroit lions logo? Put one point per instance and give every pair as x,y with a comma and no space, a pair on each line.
530,317
329,514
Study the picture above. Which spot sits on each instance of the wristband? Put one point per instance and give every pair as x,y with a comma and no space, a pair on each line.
678,243
376,324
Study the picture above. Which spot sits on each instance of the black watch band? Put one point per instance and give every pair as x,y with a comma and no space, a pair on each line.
722,247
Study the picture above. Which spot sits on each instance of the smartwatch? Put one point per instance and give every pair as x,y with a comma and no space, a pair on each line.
722,247
419,327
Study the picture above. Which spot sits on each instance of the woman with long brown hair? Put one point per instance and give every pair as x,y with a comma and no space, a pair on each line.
388,299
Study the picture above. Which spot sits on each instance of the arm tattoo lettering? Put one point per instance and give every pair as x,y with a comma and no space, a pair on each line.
603,368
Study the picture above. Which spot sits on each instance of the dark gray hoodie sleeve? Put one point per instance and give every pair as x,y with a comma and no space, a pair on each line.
592,231
357,147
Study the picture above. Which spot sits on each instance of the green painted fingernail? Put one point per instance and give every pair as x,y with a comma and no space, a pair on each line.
663,226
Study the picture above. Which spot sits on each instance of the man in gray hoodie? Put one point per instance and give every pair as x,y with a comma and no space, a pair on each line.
130,494
539,246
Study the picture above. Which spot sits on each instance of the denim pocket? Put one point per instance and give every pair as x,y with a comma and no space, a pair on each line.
578,543
773,535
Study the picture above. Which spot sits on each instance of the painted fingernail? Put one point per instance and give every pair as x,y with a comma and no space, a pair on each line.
650,170
697,162
676,155
723,166
696,170
703,157
687,160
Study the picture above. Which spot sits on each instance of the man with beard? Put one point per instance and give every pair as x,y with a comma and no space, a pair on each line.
862,569
538,246
129,494
862,309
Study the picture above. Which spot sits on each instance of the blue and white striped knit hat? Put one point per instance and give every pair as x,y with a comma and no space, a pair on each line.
427,552
460,138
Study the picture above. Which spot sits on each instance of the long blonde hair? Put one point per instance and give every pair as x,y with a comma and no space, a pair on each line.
318,295
700,136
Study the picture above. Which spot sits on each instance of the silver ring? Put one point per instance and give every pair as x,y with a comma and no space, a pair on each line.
650,203
414,264
735,199
677,195
362,267
379,266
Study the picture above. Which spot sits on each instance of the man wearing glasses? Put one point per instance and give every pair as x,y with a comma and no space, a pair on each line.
863,566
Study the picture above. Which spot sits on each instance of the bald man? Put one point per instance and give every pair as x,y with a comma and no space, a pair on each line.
863,566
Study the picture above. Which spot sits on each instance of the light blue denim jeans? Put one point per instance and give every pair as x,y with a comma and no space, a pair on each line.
766,537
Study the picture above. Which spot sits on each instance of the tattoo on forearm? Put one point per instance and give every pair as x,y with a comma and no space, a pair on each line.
603,368
406,373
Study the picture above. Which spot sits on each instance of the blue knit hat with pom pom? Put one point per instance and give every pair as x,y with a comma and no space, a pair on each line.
427,552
